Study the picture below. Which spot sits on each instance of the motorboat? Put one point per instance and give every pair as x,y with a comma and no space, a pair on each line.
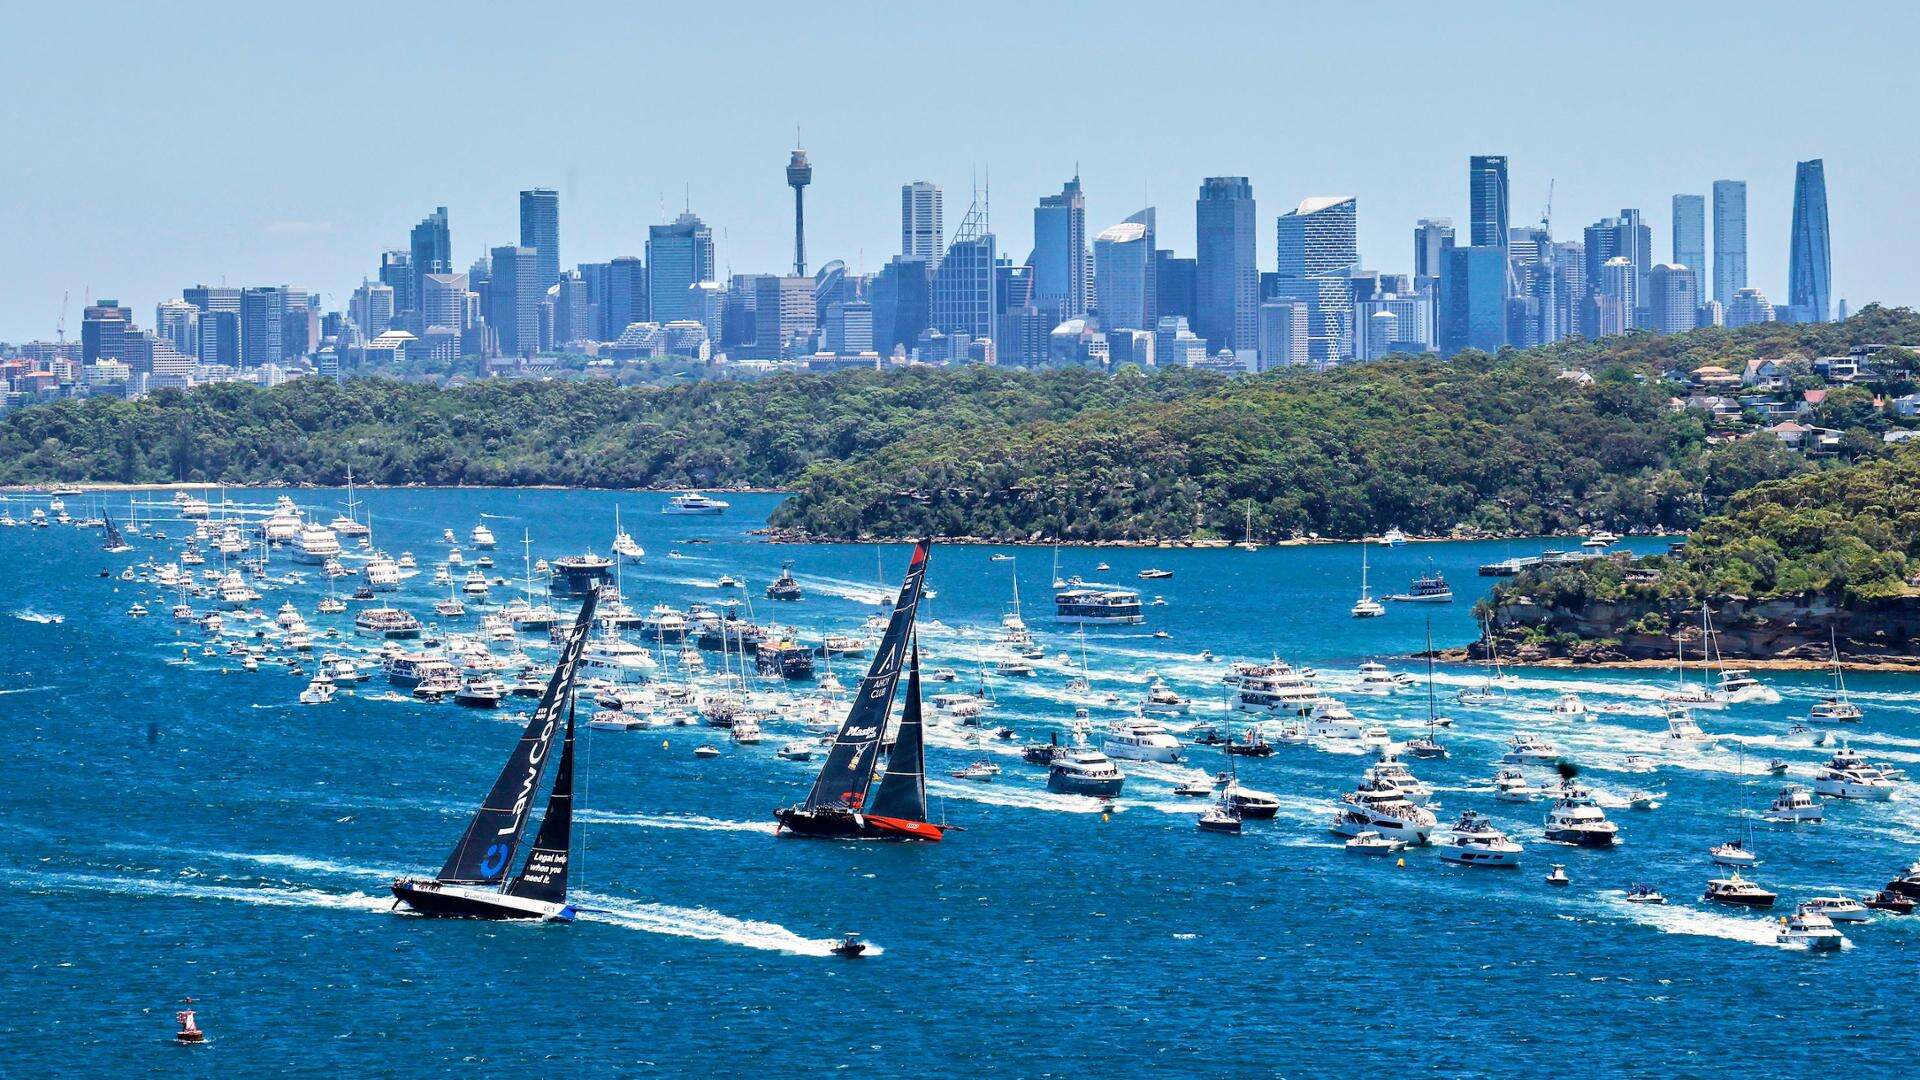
1082,770
1558,876
1888,901
1368,842
475,584
1366,607
1383,808
1569,707
481,537
1795,804
785,587
315,543
1645,894
1332,719
1251,743
1155,574
1391,770
1162,700
1810,929
1526,748
1847,775
1734,853
1576,819
1221,817
482,692
1683,731
1375,678
1426,589
1643,801
706,750
1274,688
1739,687
318,692
1141,739
1194,789
1247,802
437,687
978,771
1839,908
795,751
694,503
137,611
450,608
1734,889
1474,841
726,581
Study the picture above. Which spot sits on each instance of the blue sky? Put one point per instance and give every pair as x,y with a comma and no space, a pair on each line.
147,146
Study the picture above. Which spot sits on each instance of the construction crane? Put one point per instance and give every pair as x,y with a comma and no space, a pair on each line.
1546,215
60,329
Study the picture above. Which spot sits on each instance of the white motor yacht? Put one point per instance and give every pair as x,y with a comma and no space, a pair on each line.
1381,807
1161,700
1391,770
1511,785
481,536
1576,819
1368,842
1569,707
607,656
1274,688
1839,908
1332,719
1140,739
315,543
1795,804
318,692
1474,841
1082,770
1683,731
1810,929
1847,775
1375,678
1526,748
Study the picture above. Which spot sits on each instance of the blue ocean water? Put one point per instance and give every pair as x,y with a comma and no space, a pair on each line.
174,830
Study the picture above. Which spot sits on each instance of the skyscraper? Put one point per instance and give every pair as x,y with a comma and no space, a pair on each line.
263,313
678,255
1809,260
1431,239
625,299
1729,240
1672,300
799,175
431,249
1226,281
371,310
1123,259
921,232
963,293
1487,196
1318,244
540,230
103,330
514,292
1473,299
1690,238
443,305
177,323
1060,252
396,272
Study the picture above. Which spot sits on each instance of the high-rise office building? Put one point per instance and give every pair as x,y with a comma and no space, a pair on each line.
443,305
396,272
514,292
964,296
1123,266
921,230
1673,299
177,323
1060,252
220,333
1473,299
431,249
540,230
1729,239
371,310
1173,286
1432,237
1750,306
1283,333
785,317
1690,238
1487,196
214,298
1809,259
624,301
1318,246
848,327
104,325
1617,295
902,299
1226,281
677,256
262,325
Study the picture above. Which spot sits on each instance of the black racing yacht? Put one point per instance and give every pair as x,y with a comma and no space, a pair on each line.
838,807
113,542
474,884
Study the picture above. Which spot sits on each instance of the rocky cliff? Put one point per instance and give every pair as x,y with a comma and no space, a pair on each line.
1790,628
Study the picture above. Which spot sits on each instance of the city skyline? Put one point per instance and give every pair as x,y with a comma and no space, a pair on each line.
311,222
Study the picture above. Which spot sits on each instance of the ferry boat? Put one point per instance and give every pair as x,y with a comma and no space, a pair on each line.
390,623
1476,842
315,544
1382,808
785,587
1091,606
1275,688
1426,589
694,503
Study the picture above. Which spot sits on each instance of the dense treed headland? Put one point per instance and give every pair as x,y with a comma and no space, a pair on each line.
1787,569
1571,435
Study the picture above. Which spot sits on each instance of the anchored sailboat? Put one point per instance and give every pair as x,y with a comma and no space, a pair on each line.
837,806
474,883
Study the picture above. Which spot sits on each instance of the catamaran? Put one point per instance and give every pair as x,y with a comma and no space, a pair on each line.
474,882
1838,708
837,807
1366,607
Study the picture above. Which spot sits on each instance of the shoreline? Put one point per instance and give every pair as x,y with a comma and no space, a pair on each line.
1902,666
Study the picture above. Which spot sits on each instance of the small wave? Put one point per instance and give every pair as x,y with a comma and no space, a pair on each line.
692,822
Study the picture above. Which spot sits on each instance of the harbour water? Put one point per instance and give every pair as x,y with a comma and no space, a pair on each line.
185,828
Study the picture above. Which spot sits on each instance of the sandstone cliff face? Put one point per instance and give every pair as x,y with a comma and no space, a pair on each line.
1789,628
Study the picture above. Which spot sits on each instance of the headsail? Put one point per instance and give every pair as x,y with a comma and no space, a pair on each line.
113,540
903,790
849,767
544,877
486,850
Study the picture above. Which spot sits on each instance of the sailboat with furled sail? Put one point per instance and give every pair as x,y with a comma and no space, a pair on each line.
837,807
474,884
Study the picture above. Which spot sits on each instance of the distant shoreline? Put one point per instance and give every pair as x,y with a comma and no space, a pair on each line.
1904,666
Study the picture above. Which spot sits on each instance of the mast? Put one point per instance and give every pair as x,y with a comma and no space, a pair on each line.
486,850
544,876
849,768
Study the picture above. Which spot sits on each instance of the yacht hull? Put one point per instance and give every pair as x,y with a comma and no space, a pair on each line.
845,825
465,902
1582,837
1062,784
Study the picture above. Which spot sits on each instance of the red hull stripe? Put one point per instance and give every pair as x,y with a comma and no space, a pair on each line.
919,830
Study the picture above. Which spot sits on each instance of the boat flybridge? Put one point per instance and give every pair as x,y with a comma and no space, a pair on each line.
475,881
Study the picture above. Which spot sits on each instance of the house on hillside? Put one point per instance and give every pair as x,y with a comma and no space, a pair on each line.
1764,375
1713,377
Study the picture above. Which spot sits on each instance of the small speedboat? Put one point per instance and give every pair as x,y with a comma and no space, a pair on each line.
706,750
1887,901
981,771
1194,789
1558,876
1645,894
1643,800
1372,843
850,946
795,751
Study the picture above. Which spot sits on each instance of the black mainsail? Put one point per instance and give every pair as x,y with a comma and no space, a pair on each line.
113,540
903,789
544,877
849,767
486,849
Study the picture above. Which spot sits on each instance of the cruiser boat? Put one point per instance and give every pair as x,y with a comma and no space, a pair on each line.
1161,700
1251,743
1013,667
1795,804
1734,889
1375,678
1887,900
795,751
318,692
1275,688
407,670
608,656
1245,801
1426,589
1576,819
481,537
390,623
979,771
381,573
1600,541
623,542
283,524
315,543
1082,770
726,581
1738,686
1368,842
1683,732
1393,537
1332,720
1141,740
1526,748
1839,908
784,587
1087,606
1810,928
1847,775
475,584
234,592
1381,807
663,624
482,692
1155,575
1221,817
694,502
476,881
1476,842
1393,771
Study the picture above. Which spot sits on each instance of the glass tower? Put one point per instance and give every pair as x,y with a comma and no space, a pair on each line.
1809,262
